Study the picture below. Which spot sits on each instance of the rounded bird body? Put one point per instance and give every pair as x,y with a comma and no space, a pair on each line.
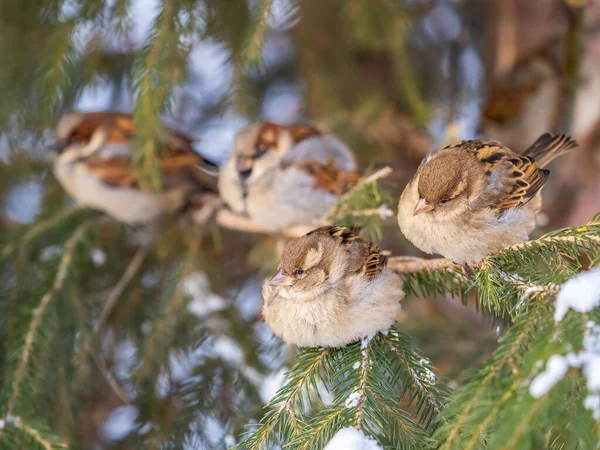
331,289
93,164
474,198
285,175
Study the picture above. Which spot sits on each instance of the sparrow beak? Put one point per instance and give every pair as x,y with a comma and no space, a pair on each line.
55,147
422,206
280,280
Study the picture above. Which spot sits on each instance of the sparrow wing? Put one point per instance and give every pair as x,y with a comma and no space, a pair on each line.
522,179
364,257
329,178
375,262
344,235
112,164
327,159
513,180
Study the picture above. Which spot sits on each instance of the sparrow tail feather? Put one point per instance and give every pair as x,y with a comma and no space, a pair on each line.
549,146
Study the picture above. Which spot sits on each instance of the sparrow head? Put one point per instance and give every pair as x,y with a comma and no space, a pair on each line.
259,147
66,132
78,135
442,182
306,263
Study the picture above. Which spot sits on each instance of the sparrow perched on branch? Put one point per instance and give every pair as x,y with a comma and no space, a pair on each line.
474,198
285,175
331,288
93,163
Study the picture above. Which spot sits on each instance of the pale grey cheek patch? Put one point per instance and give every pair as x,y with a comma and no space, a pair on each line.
313,256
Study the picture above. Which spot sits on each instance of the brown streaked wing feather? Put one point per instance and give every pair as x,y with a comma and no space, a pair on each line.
366,257
328,178
527,180
301,132
114,171
374,263
347,236
177,156
490,154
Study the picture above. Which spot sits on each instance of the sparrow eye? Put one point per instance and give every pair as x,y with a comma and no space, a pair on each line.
443,202
300,272
260,150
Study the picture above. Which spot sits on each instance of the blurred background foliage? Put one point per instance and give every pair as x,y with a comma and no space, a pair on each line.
183,359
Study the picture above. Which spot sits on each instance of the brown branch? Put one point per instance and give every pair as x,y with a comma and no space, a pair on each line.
228,219
407,264
116,292
573,58
110,380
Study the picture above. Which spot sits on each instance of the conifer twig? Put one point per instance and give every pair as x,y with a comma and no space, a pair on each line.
110,380
33,433
113,297
61,275
39,228
377,175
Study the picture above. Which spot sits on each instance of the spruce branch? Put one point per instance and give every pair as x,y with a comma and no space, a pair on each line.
344,204
254,41
38,229
419,377
158,69
37,436
304,373
61,275
369,379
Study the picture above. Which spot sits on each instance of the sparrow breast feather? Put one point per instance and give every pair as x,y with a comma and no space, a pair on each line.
331,288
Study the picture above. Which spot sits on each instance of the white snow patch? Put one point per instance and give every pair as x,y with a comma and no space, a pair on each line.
364,342
353,400
352,439
98,257
325,394
271,384
229,441
203,301
356,365
581,293
588,359
121,422
428,376
592,402
50,252
228,350
207,305
555,369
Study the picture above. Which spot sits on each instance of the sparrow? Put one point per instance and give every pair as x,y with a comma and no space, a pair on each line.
281,176
331,288
92,160
474,198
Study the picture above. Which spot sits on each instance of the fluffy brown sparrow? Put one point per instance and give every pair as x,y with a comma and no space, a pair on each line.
92,161
474,198
285,175
331,288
